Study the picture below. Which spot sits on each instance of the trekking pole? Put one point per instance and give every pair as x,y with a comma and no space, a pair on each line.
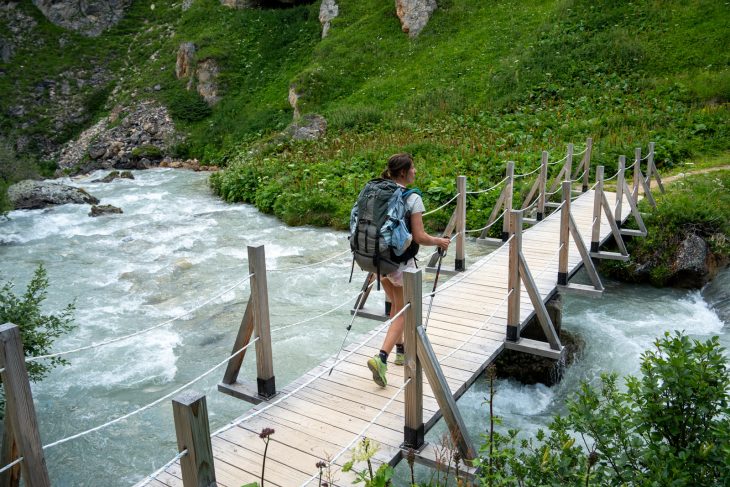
435,282
349,327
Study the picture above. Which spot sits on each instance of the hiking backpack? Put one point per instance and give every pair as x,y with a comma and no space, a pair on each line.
380,237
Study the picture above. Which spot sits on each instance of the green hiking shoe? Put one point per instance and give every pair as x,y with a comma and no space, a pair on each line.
400,358
378,368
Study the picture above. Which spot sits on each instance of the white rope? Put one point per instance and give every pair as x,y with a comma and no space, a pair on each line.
517,176
558,161
532,205
442,206
646,157
581,152
554,192
152,404
140,332
362,433
311,265
305,384
491,224
157,472
11,464
323,314
579,177
617,173
488,189
629,167
593,187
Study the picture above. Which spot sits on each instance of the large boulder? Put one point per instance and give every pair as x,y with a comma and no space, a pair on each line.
30,195
693,265
207,74
99,210
308,127
414,14
88,17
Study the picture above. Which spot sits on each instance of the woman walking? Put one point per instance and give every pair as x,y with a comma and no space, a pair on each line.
402,171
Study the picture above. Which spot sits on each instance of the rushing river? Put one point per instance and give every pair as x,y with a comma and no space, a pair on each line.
175,247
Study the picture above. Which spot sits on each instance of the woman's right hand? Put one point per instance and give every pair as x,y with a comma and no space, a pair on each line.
443,243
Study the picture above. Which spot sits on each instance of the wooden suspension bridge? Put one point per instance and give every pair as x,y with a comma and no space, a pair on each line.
471,318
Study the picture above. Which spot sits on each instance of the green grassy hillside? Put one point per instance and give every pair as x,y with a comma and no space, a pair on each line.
483,83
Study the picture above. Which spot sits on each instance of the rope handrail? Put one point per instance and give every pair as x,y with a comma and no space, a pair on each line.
11,464
517,176
547,193
579,177
442,206
488,189
581,152
140,332
488,226
157,472
362,432
153,403
532,205
284,327
558,161
315,377
310,265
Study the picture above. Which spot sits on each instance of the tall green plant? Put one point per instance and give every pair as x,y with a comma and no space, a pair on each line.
37,329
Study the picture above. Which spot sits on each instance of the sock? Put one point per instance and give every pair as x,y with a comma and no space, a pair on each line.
383,356
399,348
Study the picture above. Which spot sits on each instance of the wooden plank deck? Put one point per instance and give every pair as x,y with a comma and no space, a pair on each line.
319,415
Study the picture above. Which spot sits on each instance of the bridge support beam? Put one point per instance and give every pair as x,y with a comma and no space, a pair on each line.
413,431
190,413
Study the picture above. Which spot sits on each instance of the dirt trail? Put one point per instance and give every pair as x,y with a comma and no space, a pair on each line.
681,175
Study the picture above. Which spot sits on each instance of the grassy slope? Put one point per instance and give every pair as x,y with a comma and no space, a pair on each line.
483,83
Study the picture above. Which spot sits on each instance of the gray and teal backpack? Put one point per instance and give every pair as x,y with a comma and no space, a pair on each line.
380,236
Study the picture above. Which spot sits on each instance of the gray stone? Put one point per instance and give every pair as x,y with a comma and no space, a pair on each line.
29,194
88,17
207,74
691,267
328,10
114,175
308,127
414,14
99,210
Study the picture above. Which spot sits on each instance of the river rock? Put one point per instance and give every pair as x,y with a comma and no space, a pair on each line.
88,17
308,127
114,175
328,10
29,195
99,210
692,264
414,14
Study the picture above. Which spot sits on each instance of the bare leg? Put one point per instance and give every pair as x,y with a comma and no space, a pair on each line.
395,330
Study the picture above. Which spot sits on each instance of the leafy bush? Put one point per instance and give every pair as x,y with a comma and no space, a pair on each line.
187,105
669,427
38,331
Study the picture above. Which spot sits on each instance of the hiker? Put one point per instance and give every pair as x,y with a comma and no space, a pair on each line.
402,171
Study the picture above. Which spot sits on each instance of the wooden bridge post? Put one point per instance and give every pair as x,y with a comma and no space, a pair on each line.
190,413
414,429
597,202
460,263
569,162
651,169
21,412
620,181
586,163
564,236
513,277
260,298
638,178
543,186
510,189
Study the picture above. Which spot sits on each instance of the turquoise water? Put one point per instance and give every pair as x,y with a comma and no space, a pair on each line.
176,246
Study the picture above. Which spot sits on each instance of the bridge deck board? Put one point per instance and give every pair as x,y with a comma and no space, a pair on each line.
468,319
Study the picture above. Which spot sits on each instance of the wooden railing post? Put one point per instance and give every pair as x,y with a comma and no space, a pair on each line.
569,162
513,276
637,175
20,409
597,202
564,236
190,413
543,186
413,431
510,188
260,298
620,181
587,164
460,263
651,169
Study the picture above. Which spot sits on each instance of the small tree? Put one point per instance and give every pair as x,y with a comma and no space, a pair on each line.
37,330
670,427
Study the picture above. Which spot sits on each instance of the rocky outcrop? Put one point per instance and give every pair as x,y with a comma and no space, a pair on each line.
308,127
30,195
18,28
694,264
99,210
140,140
88,17
293,101
328,10
184,67
114,175
190,164
414,14
207,74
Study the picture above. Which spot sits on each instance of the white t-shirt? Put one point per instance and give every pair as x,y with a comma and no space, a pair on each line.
414,204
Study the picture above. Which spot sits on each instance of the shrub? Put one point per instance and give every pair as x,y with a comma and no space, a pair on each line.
187,105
